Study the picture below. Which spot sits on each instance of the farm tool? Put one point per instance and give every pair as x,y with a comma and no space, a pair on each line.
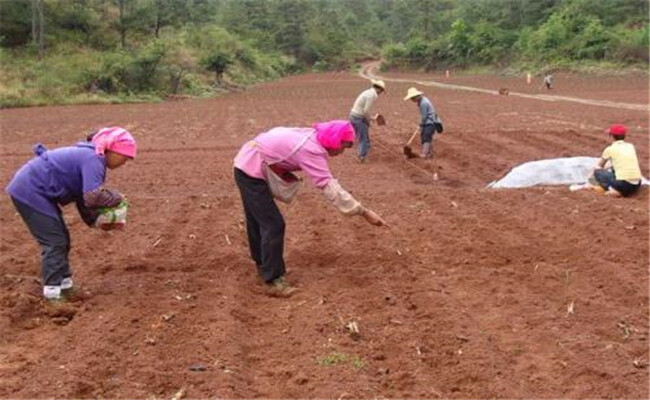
408,152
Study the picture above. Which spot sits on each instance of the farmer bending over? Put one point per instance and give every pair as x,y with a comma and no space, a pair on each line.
428,120
624,176
275,154
61,176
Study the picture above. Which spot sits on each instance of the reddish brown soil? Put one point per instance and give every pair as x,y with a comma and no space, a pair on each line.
465,296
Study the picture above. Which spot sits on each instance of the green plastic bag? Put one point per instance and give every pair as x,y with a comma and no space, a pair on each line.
113,217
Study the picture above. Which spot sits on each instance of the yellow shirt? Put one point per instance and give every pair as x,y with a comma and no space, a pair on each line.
624,160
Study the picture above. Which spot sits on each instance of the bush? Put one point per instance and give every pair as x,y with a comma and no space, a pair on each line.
217,62
592,42
546,43
108,75
320,66
629,45
142,72
417,51
395,55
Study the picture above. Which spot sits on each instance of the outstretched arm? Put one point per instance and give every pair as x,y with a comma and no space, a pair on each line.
348,205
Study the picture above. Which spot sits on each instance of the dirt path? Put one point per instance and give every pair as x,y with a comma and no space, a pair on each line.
369,71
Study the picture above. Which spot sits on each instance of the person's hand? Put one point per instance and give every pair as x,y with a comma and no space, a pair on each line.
112,226
373,218
106,227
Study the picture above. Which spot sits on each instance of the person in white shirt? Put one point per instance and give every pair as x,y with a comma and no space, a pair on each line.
548,81
360,117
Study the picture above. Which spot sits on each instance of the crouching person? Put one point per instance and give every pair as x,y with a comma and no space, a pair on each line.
623,178
58,177
264,166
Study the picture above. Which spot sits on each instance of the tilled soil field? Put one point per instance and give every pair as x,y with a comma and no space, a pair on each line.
471,292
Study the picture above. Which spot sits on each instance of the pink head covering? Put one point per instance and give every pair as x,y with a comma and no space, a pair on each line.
115,139
330,134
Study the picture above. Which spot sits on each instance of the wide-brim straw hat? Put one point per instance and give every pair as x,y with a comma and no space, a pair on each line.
412,92
378,82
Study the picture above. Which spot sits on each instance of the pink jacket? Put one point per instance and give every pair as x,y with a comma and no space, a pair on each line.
277,145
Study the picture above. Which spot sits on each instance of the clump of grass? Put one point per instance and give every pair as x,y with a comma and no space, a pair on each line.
337,358
357,362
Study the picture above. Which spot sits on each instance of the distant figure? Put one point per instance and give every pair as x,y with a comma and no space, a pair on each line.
623,178
360,117
548,80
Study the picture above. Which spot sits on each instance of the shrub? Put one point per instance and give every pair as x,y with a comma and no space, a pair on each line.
417,51
395,55
217,62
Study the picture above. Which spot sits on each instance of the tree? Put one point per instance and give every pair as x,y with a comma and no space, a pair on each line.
122,22
16,23
592,42
399,22
180,62
218,62
327,40
38,26
291,18
459,41
165,13
424,20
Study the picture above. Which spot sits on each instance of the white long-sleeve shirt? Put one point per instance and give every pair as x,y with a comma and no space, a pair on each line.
363,104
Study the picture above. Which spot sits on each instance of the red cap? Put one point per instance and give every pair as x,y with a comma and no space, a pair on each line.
617,129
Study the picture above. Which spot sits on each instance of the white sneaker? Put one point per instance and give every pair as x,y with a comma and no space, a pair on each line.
66,283
52,292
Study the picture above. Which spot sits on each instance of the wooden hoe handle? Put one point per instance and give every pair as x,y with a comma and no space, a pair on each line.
412,137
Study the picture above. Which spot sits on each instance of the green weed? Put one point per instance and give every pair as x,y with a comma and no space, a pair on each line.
337,358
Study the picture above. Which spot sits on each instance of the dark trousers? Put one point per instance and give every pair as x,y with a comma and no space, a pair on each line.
426,133
607,178
362,135
264,225
54,238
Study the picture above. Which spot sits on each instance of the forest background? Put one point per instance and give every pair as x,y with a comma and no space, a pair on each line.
99,51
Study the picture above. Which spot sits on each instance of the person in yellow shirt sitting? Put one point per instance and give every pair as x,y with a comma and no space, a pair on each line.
623,177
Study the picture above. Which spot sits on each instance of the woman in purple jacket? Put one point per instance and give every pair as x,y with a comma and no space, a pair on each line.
58,177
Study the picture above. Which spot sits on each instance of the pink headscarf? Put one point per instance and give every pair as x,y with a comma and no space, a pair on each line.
115,139
330,134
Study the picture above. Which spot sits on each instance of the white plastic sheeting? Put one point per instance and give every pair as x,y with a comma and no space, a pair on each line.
555,171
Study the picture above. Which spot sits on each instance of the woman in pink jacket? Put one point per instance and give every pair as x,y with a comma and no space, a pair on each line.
279,152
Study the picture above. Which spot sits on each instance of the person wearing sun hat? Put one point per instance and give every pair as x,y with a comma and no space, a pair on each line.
278,153
623,177
54,178
428,120
360,117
